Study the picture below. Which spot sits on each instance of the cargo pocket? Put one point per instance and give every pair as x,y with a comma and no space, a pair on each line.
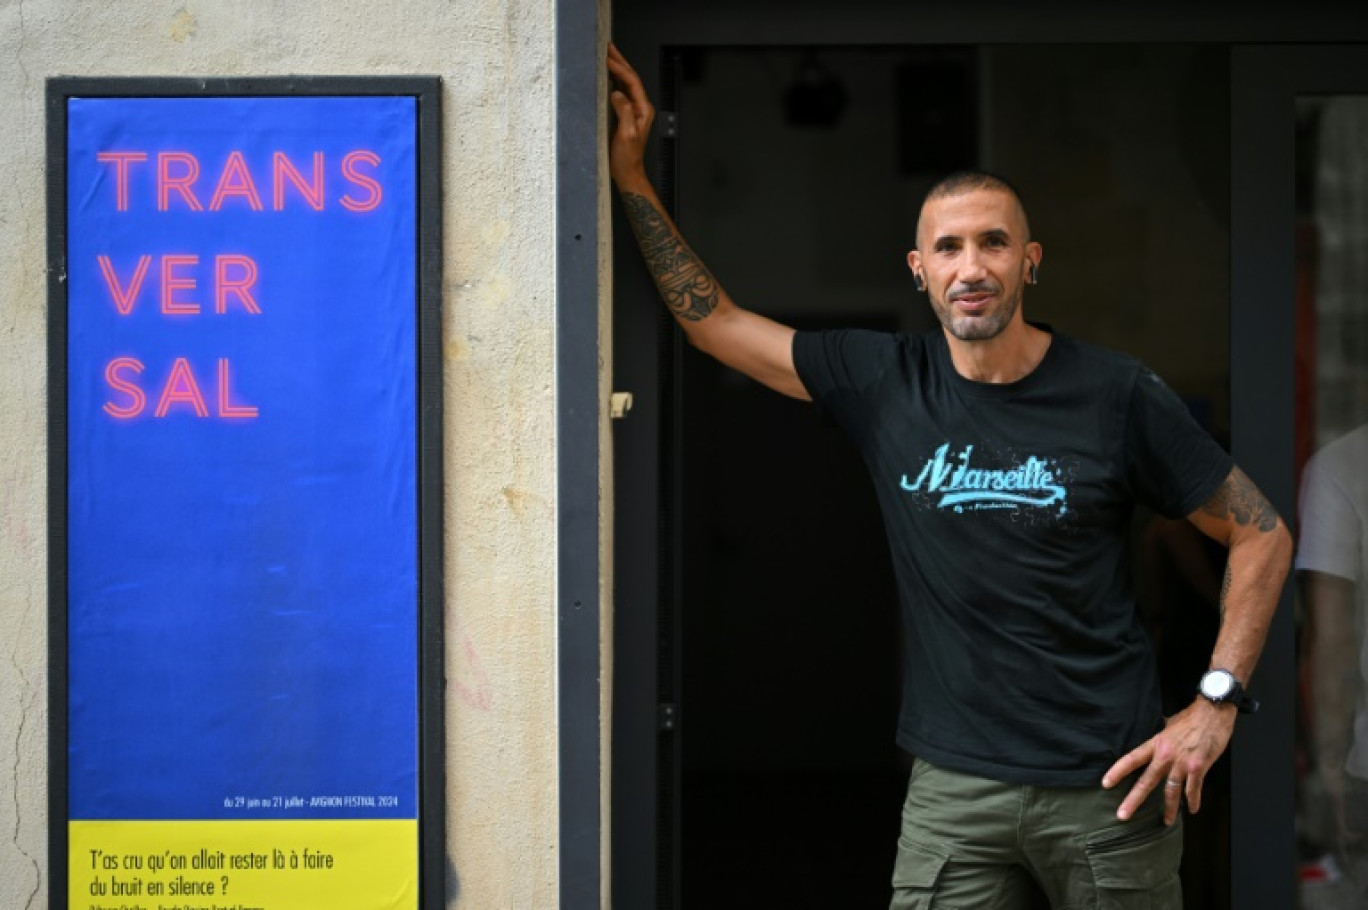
914,876
1138,870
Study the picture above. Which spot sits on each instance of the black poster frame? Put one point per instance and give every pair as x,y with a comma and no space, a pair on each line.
426,90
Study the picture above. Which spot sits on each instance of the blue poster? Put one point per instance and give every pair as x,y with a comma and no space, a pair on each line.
242,500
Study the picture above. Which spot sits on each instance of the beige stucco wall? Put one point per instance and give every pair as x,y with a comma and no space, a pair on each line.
496,59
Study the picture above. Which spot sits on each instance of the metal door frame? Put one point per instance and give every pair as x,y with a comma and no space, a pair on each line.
1263,858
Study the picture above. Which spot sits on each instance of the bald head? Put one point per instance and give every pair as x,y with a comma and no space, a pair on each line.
961,182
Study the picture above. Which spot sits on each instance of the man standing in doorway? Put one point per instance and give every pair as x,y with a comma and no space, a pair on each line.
1007,460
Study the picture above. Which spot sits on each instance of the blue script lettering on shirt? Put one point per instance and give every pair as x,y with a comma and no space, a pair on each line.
1030,483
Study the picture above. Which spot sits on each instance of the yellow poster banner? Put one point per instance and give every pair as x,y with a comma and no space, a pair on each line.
317,864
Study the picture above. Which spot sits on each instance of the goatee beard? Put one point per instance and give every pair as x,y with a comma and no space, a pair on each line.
977,328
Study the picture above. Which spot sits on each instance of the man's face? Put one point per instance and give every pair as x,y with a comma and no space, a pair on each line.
974,255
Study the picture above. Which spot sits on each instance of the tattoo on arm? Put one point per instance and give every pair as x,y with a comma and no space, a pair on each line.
1239,499
689,289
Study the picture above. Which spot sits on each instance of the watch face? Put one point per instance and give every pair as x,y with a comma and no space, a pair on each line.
1217,684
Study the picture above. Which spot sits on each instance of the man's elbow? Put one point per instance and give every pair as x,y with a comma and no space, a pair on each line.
707,333
1285,542
1276,549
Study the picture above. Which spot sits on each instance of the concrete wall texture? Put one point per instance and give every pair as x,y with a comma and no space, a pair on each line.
496,59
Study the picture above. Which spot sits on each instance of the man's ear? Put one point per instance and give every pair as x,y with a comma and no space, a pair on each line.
914,263
1034,253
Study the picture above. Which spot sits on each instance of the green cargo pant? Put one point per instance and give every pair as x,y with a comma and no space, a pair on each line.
974,844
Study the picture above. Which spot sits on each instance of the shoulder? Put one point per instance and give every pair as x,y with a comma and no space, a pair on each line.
853,348
1340,459
1126,376
854,341
1349,446
849,361
1098,374
1106,363
1332,507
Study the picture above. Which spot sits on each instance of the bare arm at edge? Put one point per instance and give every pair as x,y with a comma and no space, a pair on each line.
756,346
1332,654
1260,554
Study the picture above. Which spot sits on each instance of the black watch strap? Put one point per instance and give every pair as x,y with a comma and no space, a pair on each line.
1242,700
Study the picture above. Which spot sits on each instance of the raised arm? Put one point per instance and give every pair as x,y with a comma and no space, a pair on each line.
1260,552
759,347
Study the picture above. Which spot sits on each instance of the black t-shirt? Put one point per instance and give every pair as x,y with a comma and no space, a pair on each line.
1008,510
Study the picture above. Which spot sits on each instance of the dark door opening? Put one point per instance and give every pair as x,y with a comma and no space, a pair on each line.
797,174
789,677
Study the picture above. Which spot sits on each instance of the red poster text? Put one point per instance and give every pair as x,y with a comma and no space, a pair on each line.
181,392
233,277
172,181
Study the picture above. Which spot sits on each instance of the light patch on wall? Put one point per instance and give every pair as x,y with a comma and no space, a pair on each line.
183,25
457,348
496,231
520,501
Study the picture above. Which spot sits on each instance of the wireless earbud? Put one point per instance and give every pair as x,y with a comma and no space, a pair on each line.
918,281
1033,272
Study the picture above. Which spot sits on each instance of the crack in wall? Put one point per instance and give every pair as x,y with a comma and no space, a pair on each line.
28,696
25,707
19,54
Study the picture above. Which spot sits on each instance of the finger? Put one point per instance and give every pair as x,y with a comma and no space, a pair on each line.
615,58
1132,761
1155,767
623,108
1173,798
629,81
1192,789
621,70
1144,786
630,103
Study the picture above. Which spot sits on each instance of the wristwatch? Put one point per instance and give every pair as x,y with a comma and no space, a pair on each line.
1221,687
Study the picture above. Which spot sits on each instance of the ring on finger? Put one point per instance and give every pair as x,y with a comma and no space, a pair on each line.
1172,782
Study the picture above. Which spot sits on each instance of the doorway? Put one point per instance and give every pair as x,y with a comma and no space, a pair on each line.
796,172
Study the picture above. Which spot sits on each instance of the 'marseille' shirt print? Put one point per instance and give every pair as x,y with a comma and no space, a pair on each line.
960,482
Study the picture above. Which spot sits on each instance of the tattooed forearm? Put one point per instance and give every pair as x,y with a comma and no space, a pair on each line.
686,285
1239,499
